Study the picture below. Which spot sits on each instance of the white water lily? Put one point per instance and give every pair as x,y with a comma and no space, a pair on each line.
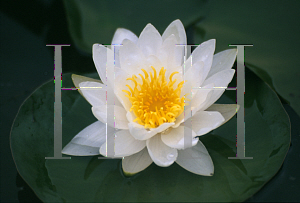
151,82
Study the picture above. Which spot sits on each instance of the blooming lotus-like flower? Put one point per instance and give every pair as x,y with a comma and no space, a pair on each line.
152,81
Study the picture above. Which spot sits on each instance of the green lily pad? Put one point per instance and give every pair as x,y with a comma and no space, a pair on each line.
89,179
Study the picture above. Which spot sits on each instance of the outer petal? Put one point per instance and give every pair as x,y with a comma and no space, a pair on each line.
205,121
227,110
117,40
176,28
193,78
140,133
100,59
125,144
222,61
121,34
204,52
196,160
199,101
132,59
121,122
93,92
150,40
161,154
87,141
221,81
202,96
175,138
119,85
77,79
136,162
166,52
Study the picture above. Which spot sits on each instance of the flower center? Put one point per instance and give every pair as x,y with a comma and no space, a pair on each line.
155,101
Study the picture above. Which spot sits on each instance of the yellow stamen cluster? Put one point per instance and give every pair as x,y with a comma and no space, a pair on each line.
155,101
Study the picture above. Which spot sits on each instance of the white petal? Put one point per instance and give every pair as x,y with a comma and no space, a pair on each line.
222,61
119,85
118,38
161,154
204,52
139,132
205,121
122,34
77,79
149,40
227,110
88,141
132,59
136,162
198,103
180,119
175,137
125,144
100,59
176,28
193,78
120,120
93,92
152,61
221,81
93,97
171,54
167,50
202,97
196,160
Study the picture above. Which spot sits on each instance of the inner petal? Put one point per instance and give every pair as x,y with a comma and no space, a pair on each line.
154,99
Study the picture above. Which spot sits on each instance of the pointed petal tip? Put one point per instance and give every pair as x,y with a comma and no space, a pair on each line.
236,51
70,150
130,174
210,42
63,151
73,76
121,34
177,21
148,26
127,174
95,46
213,41
126,41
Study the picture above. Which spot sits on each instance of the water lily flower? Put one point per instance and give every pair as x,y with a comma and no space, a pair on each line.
152,83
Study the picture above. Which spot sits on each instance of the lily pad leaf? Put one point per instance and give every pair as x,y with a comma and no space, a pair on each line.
89,179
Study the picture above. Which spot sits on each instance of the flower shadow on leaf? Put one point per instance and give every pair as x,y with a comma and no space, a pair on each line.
92,165
216,143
